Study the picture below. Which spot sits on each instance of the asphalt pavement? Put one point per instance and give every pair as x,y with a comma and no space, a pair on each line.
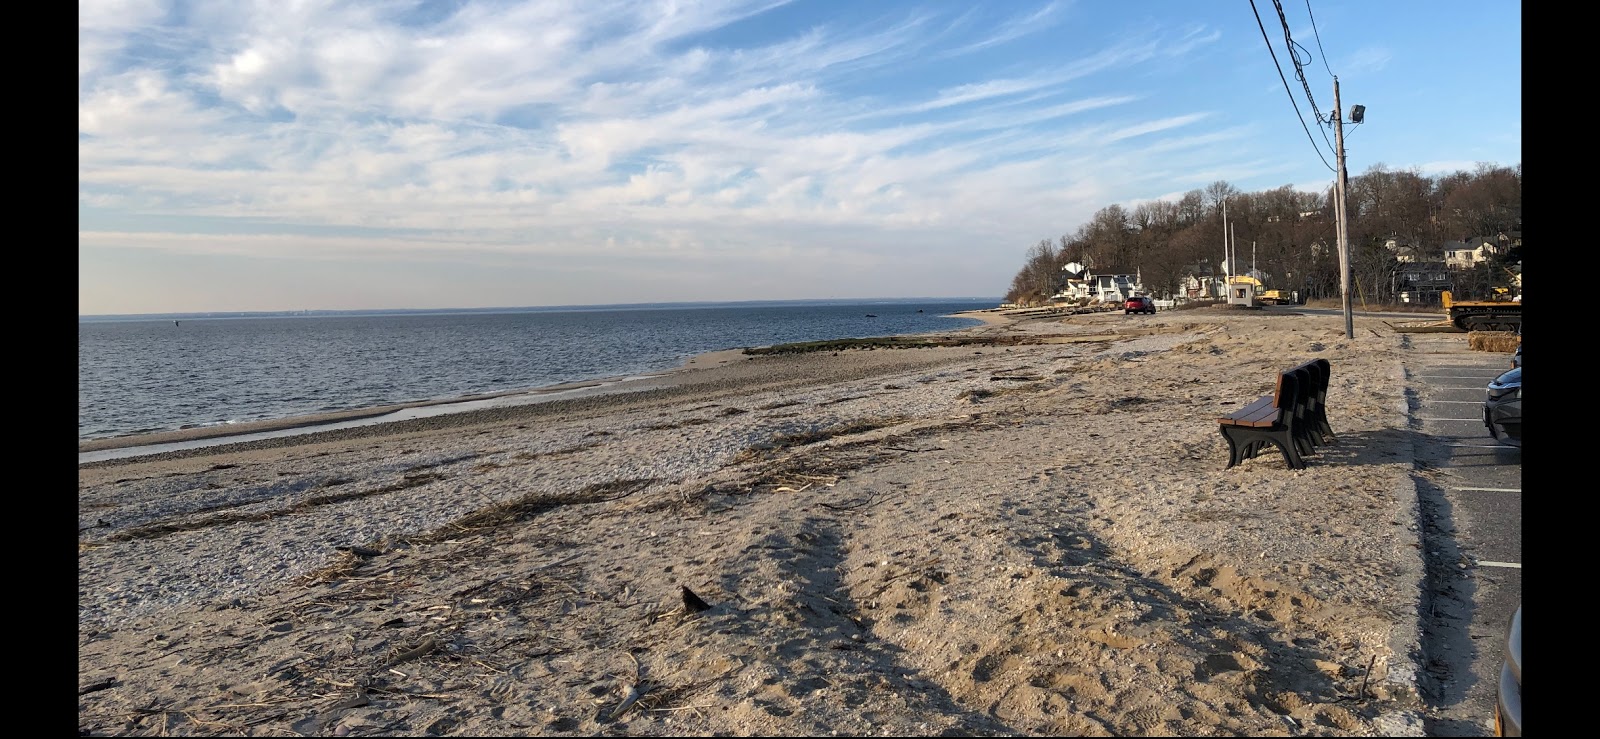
1470,495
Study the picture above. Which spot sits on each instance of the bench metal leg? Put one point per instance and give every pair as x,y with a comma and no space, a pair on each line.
1234,456
1245,443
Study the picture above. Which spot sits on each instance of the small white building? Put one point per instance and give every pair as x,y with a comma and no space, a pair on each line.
1242,291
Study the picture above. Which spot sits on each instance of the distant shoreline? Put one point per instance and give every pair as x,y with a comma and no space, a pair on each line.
311,422
688,305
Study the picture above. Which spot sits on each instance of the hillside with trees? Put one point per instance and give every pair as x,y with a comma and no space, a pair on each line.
1394,215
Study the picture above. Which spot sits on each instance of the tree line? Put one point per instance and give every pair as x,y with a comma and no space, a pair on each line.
1293,232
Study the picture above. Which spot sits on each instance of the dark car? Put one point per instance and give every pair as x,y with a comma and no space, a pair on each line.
1508,696
1138,304
1502,407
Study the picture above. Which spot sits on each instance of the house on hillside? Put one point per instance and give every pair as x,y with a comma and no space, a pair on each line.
1470,252
1404,252
1093,285
1203,282
1422,282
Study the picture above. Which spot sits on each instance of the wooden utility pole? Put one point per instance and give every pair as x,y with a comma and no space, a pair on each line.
1344,242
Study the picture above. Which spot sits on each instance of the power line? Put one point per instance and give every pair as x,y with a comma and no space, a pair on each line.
1300,71
1314,32
1286,89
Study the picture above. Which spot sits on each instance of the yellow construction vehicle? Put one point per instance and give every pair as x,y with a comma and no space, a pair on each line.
1500,313
1273,297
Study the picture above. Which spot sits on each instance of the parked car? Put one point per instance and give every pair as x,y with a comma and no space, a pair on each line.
1508,696
1138,304
1502,407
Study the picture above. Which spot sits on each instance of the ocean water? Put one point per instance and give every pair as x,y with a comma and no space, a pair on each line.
147,374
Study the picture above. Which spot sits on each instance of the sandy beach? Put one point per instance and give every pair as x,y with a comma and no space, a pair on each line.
1031,536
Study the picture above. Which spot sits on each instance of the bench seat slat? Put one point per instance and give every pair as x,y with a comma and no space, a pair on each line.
1263,408
1263,417
1252,407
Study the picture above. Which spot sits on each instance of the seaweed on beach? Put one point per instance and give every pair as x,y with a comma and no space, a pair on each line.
529,456
195,522
893,342
813,436
678,424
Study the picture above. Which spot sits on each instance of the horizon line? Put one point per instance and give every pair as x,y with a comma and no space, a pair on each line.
571,306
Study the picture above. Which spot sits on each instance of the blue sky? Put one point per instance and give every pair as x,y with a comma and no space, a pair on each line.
238,156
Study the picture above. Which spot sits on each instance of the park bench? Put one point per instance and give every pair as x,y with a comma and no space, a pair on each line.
1293,418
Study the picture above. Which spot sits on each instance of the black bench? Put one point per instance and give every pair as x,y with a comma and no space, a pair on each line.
1317,399
1293,418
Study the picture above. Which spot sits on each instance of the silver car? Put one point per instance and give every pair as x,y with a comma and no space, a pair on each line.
1508,696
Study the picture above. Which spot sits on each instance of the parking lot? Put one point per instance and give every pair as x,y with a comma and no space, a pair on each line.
1470,493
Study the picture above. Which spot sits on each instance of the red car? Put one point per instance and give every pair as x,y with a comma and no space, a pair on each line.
1138,304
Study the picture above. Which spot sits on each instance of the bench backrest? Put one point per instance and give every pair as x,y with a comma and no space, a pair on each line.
1289,395
1305,401
1320,370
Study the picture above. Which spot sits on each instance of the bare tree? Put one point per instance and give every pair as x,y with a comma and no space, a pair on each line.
1191,207
1217,192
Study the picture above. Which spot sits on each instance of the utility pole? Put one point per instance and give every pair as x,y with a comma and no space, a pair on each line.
1227,276
1344,242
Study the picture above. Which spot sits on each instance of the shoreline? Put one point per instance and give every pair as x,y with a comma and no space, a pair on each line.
310,423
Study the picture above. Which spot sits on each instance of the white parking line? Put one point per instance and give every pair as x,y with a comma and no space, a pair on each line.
1512,565
1486,446
1474,389
1453,401
1490,490
1479,419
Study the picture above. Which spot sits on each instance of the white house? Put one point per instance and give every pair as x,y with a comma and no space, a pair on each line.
1469,253
1104,286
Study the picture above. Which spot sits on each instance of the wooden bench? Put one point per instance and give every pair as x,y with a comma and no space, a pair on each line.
1293,418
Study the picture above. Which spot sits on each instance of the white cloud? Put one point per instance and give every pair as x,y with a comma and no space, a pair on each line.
1014,28
1369,59
1432,169
600,130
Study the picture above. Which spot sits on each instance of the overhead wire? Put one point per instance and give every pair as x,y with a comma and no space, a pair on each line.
1286,89
1318,34
1295,48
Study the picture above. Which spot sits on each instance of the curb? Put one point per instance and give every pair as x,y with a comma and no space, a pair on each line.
1405,641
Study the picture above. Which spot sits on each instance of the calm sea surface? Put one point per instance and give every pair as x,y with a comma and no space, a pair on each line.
139,375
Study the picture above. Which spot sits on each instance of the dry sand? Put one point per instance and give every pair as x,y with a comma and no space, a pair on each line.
1000,540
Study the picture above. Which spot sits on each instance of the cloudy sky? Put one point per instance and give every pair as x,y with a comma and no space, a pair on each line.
287,155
